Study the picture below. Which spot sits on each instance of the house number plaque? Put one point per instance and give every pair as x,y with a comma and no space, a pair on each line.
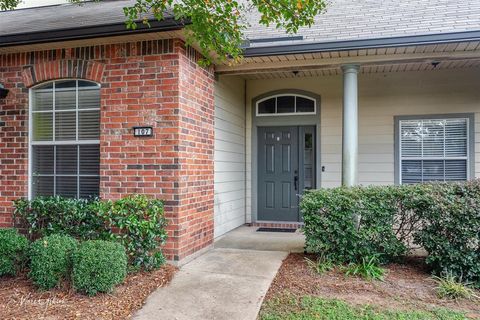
142,131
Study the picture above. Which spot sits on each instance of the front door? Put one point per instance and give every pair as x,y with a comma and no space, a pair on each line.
285,170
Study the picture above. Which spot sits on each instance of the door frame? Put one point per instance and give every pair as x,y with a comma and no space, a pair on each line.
279,121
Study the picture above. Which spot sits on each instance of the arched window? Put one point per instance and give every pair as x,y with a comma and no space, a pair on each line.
64,139
286,104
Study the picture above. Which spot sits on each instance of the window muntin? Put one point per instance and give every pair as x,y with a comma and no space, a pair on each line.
64,140
434,150
286,104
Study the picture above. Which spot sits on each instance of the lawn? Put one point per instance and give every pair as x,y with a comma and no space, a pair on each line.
407,292
19,299
308,307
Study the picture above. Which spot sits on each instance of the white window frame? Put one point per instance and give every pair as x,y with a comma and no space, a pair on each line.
468,157
75,142
276,114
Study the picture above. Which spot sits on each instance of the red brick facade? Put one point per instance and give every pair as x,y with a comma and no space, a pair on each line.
150,83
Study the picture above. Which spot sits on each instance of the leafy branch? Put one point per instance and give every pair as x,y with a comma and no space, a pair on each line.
217,27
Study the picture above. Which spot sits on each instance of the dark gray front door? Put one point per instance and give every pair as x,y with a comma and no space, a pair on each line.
285,169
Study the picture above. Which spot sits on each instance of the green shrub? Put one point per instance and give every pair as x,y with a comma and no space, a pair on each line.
58,215
51,260
137,222
451,231
141,224
13,247
348,225
98,266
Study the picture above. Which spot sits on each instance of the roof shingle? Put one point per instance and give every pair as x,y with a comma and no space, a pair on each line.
343,20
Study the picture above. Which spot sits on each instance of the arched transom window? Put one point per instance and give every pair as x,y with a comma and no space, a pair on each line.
64,139
286,104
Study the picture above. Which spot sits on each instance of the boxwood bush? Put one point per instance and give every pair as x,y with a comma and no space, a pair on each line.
51,260
136,221
98,266
13,248
350,224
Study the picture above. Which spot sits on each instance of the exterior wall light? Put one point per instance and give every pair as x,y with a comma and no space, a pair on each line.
3,91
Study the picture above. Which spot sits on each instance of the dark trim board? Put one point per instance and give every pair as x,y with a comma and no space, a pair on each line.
363,44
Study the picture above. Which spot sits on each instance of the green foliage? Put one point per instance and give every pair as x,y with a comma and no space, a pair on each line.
141,224
350,224
58,215
321,265
51,260
347,224
98,266
9,4
449,287
13,248
136,221
329,309
367,269
217,26
451,231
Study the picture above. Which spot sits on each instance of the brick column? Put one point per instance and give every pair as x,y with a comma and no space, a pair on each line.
154,83
195,155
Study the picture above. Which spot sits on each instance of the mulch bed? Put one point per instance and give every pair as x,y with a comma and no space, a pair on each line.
406,286
20,300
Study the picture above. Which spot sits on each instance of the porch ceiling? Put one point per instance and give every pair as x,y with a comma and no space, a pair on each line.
393,59
383,68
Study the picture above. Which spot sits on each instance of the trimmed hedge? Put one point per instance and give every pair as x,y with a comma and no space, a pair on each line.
13,248
137,222
350,224
46,216
98,266
51,260
451,231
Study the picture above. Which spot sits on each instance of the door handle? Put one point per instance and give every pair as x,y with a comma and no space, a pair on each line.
295,182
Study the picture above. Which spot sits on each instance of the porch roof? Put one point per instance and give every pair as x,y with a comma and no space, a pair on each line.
382,20
410,57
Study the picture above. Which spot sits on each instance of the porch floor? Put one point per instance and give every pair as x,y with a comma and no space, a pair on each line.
247,238
228,282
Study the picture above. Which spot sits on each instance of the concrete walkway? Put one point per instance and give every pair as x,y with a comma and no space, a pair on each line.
228,282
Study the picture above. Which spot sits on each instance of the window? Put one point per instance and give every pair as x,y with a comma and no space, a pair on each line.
434,150
286,105
64,139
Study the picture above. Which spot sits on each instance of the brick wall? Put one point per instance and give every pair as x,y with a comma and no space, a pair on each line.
152,83
13,139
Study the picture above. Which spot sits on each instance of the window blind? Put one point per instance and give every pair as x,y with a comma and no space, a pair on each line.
65,139
433,150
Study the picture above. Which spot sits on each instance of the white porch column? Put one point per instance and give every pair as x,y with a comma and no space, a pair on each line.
350,126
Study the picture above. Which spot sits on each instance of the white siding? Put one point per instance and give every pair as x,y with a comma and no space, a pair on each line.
229,154
381,97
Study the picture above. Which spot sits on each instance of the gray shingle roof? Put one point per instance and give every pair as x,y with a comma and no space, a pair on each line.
366,19
344,20
64,16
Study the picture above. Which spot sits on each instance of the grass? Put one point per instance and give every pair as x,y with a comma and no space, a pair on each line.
450,287
288,307
367,269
